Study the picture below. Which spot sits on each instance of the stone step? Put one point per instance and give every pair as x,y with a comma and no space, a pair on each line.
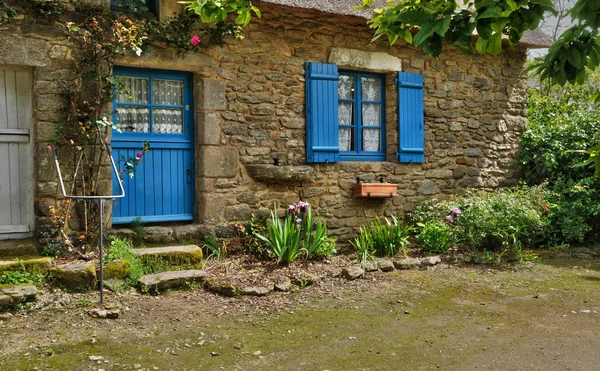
75,276
16,294
16,248
171,279
32,264
186,256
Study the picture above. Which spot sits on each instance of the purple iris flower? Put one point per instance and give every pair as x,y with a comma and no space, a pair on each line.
291,209
298,220
455,212
449,218
303,206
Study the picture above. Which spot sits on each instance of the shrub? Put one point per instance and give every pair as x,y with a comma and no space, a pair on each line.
122,249
501,221
299,234
435,236
385,239
562,123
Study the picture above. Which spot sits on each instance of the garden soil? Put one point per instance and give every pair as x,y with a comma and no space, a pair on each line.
522,317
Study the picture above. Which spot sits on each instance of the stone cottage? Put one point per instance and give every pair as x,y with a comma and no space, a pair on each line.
300,109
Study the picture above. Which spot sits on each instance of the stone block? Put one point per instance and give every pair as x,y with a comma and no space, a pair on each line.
174,256
23,51
32,265
75,276
353,272
211,208
210,95
208,128
158,234
171,279
238,213
16,294
407,263
428,187
365,60
217,162
385,265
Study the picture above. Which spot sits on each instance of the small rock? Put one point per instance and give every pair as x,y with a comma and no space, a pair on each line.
137,365
96,358
431,260
406,311
407,263
257,353
256,290
352,273
283,284
214,354
385,265
371,267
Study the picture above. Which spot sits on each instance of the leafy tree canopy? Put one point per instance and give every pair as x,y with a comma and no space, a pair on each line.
577,49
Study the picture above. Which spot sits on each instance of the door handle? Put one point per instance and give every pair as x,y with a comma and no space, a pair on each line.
188,176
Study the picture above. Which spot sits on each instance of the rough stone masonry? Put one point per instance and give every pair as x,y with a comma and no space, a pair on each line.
249,101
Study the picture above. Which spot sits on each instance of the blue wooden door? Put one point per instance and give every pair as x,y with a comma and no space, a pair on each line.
154,106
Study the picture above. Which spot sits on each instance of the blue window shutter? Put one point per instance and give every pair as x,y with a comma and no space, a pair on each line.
412,120
322,143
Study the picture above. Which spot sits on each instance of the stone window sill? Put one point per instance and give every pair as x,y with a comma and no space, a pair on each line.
283,173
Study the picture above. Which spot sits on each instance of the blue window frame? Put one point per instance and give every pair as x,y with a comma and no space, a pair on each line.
361,116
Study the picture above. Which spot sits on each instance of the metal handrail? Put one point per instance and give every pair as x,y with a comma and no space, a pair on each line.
101,200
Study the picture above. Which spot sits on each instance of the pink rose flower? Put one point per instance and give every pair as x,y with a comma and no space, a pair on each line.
195,40
139,155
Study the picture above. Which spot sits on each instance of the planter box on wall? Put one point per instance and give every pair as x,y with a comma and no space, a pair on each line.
375,190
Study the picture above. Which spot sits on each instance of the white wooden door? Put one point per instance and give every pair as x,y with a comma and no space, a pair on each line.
16,155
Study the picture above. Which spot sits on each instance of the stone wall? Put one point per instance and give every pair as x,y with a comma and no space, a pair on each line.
475,109
249,102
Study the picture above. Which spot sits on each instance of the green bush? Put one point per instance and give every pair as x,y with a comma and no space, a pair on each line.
435,236
299,234
122,249
385,239
502,221
562,122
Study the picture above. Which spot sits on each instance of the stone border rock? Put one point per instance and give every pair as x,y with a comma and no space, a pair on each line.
389,265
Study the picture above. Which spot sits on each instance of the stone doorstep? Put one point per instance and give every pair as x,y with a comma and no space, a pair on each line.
171,279
15,294
16,248
35,264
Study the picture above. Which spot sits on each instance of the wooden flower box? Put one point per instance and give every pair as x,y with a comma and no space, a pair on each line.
375,190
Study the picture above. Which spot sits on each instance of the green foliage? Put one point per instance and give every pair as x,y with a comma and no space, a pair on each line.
568,60
284,238
299,234
501,221
435,236
122,249
564,123
138,228
363,246
440,21
21,277
385,239
218,11
575,50
7,13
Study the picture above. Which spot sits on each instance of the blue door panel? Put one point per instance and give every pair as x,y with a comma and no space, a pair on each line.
162,188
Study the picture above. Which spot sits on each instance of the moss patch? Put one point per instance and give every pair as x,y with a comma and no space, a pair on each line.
75,277
33,265
118,269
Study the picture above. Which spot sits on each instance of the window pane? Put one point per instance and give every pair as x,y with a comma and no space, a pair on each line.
371,88
167,92
132,90
346,141
133,119
346,87
168,121
371,140
346,113
371,114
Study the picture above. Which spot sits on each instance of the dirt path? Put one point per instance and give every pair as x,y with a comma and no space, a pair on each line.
537,317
